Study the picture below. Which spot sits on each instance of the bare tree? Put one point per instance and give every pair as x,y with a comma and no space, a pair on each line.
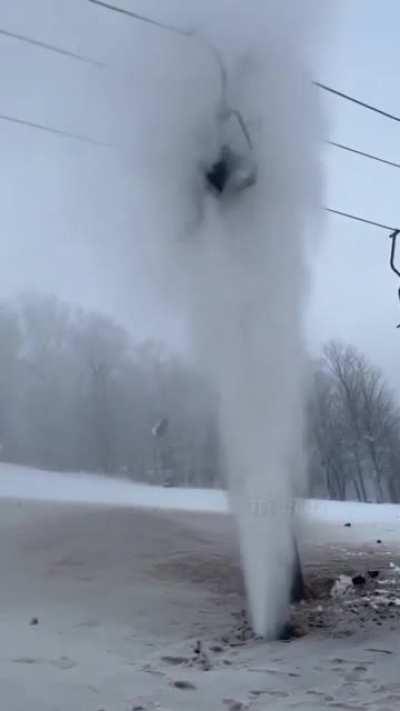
325,437
10,347
102,346
354,426
343,363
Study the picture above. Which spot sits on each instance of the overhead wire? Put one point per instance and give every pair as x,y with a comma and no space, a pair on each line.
51,129
50,47
358,218
394,231
179,30
363,154
363,104
187,33
143,18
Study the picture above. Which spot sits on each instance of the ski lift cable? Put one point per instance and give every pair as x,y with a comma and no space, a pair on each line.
235,113
358,218
88,139
102,65
394,231
363,104
51,129
143,18
189,33
184,32
93,141
225,109
363,154
98,63
51,47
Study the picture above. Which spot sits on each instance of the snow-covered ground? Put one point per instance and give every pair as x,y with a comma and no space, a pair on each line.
124,579
79,488
30,484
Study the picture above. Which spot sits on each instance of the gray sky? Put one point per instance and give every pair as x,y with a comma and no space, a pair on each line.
355,294
67,206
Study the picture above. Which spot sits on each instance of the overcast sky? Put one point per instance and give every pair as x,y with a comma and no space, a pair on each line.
68,209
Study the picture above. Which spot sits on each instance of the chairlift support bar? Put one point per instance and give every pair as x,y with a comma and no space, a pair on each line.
394,236
226,111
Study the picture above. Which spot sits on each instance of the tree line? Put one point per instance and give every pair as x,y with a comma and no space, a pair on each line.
77,394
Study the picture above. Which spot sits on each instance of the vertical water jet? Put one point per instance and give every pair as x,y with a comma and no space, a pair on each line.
237,271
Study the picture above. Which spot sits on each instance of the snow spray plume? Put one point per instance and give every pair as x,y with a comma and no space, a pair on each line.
237,270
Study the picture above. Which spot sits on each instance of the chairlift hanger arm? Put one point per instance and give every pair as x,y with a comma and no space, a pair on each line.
226,110
242,124
393,236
